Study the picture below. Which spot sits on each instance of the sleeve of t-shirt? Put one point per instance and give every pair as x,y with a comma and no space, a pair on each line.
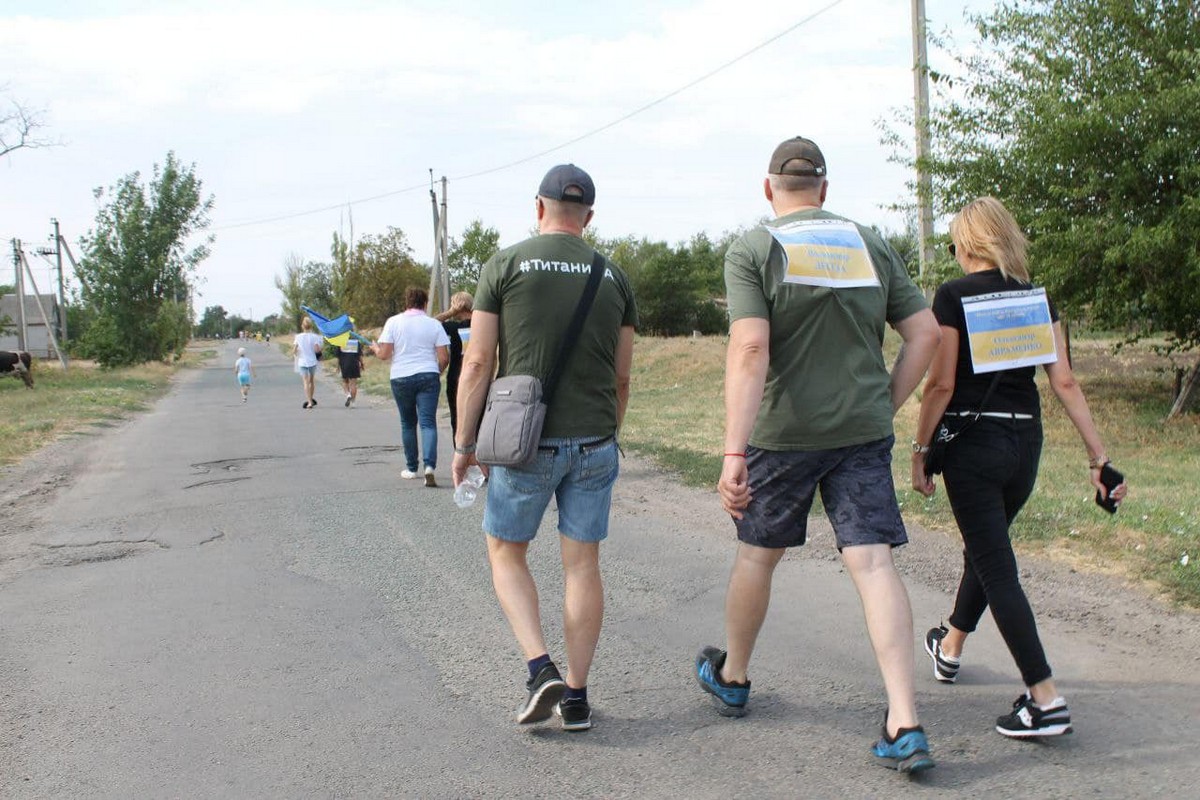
441,339
904,298
630,318
487,293
388,335
743,284
946,307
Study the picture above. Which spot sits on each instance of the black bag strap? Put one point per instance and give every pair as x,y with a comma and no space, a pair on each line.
988,394
574,329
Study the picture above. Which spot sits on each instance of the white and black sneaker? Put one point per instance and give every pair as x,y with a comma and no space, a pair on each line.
575,713
945,668
1028,719
545,690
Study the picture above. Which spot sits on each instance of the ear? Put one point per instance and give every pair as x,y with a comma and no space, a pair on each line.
767,190
586,220
824,189
540,207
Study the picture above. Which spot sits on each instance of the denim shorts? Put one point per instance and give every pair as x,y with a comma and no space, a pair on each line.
307,370
856,490
244,380
578,472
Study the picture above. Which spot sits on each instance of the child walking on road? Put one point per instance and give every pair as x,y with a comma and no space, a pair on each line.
245,371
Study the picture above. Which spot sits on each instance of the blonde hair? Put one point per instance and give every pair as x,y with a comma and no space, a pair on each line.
986,230
460,303
305,324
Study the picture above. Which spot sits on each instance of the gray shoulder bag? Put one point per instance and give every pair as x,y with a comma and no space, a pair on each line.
516,404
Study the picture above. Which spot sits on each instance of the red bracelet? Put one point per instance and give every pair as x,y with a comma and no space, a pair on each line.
739,455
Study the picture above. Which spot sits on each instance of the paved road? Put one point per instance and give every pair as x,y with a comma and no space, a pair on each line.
227,600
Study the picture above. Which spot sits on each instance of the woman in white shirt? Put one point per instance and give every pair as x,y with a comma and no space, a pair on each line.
419,350
306,349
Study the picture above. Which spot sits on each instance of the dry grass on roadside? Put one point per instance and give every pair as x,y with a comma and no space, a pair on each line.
676,416
80,399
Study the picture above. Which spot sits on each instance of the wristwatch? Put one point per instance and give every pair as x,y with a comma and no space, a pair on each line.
917,447
464,451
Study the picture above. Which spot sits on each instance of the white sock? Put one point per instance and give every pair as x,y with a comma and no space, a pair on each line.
1057,702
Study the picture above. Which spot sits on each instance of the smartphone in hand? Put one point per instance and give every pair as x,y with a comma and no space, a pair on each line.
1111,480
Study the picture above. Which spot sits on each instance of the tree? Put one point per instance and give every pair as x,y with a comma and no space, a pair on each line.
1083,116
304,283
19,127
466,258
379,271
139,258
214,320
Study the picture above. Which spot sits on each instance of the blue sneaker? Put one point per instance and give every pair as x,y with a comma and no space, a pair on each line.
908,752
731,697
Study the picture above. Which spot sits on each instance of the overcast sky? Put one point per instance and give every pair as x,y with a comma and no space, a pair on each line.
286,108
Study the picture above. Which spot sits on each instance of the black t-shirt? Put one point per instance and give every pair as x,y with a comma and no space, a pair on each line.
1016,391
452,328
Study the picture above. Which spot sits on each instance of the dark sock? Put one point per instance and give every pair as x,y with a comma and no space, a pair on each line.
575,694
535,665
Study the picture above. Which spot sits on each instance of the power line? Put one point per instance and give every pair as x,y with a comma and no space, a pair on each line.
568,143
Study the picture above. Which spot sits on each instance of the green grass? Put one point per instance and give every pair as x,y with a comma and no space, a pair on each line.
676,417
71,402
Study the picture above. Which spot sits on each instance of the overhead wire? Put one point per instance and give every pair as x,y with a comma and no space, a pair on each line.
556,148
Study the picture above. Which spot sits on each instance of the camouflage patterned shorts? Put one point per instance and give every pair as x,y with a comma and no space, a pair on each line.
856,490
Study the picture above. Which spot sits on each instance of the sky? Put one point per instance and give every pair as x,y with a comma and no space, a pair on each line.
343,109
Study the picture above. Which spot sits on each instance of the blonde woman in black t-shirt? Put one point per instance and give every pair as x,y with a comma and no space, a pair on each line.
990,468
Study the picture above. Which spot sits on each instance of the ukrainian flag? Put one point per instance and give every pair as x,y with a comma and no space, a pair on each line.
337,331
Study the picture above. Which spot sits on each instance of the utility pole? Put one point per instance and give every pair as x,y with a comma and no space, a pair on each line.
444,287
439,276
37,300
62,292
16,257
924,182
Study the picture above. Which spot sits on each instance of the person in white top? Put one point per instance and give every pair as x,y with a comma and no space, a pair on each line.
419,350
306,349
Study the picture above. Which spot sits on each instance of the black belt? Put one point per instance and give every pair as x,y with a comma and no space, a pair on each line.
554,448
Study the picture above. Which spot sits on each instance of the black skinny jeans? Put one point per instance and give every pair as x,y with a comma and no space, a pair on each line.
989,473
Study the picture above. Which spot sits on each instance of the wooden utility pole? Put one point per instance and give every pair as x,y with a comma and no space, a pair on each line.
439,275
20,289
924,182
37,300
62,292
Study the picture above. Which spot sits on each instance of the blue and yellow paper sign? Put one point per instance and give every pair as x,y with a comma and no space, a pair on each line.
825,252
1007,330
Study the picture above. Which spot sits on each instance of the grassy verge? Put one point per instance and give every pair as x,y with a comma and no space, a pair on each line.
76,400
676,417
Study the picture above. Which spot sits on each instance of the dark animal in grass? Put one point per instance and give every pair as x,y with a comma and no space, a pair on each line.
17,364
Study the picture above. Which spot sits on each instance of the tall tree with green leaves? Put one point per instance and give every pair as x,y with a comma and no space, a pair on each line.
1083,116
304,283
139,264
467,257
379,270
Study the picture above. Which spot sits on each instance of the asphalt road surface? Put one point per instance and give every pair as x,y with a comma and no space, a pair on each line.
246,601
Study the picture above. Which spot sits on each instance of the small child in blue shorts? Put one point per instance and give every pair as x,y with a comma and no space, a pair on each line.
244,370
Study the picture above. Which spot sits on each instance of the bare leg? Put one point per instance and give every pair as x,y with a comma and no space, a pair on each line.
953,641
517,593
746,603
889,624
583,607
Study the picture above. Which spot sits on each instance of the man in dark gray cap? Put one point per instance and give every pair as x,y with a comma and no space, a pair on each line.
809,405
525,301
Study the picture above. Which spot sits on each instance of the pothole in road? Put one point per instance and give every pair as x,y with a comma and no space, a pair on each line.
366,453
229,464
94,552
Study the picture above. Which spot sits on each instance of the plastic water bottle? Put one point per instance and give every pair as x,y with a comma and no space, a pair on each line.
466,492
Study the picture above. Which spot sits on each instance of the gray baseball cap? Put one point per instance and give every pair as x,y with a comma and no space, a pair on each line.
798,156
560,180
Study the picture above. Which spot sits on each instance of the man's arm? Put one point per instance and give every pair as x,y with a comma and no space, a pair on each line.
478,365
624,366
746,361
443,357
921,336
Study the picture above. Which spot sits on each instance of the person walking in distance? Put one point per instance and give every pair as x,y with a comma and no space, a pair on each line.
991,465
350,364
306,350
808,406
245,372
456,320
525,302
419,350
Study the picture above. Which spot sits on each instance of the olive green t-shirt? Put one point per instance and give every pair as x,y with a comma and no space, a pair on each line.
534,286
827,383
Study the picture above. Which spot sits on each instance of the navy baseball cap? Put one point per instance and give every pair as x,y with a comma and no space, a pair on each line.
568,182
798,156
